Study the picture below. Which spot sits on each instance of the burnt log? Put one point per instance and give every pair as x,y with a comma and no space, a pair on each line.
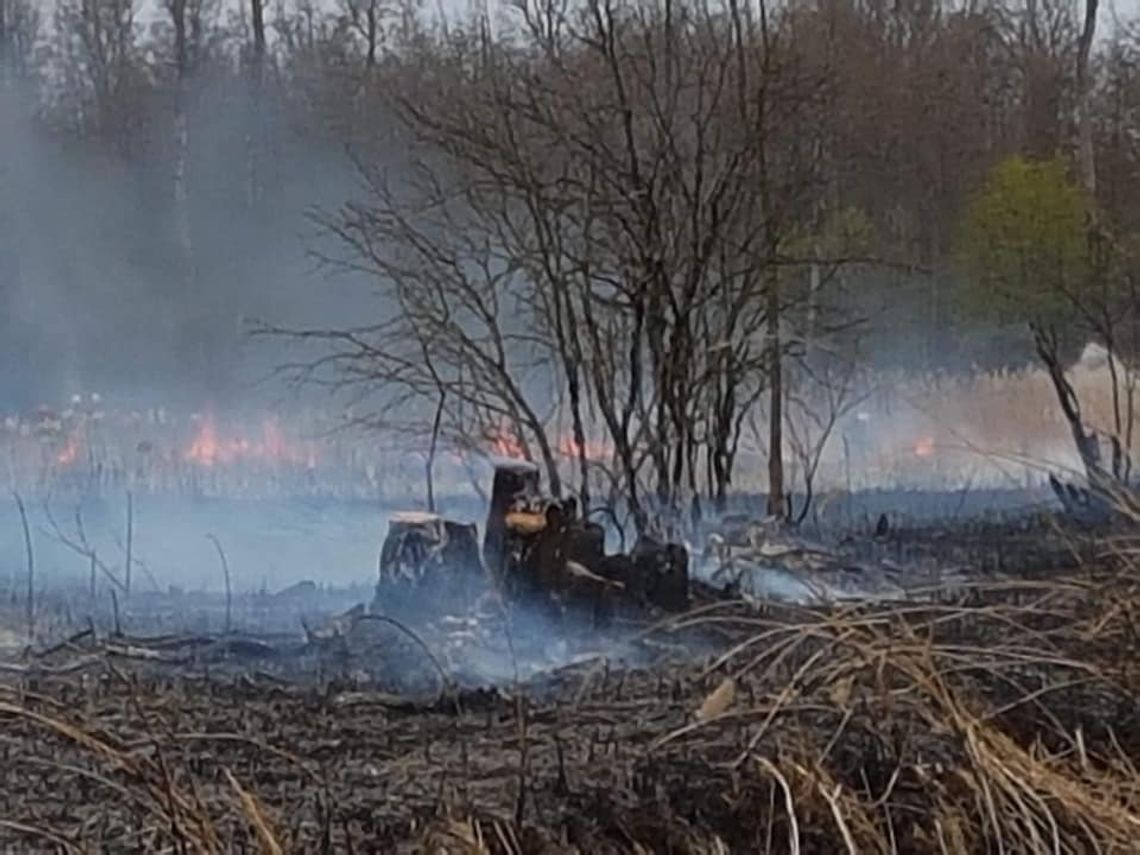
661,573
654,575
1086,507
428,566
586,544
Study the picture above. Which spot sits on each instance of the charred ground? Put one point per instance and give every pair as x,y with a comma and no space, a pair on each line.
1002,714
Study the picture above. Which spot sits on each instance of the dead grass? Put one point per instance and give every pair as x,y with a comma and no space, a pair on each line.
995,429
924,429
1006,722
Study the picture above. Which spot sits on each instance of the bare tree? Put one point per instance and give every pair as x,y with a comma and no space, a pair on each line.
606,202
364,17
186,46
19,31
96,53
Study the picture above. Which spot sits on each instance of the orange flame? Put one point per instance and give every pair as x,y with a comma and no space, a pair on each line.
593,450
205,450
924,447
503,442
208,449
506,446
70,452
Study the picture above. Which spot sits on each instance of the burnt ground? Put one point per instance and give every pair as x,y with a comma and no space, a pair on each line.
1004,716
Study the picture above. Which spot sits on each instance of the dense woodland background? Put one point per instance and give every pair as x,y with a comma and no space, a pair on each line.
644,222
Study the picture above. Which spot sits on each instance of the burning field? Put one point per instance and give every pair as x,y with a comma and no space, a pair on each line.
985,430
219,654
956,689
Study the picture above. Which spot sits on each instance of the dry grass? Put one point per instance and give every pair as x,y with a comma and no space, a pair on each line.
924,429
1006,722
996,429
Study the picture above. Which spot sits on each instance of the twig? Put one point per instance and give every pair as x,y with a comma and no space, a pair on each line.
447,686
226,574
255,813
42,833
115,612
31,558
130,538
80,545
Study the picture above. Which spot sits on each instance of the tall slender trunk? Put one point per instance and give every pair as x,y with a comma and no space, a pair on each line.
198,342
777,502
1045,341
3,43
429,464
181,193
256,78
373,34
579,429
1085,158
257,17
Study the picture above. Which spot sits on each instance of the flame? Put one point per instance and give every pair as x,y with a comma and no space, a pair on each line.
70,451
593,450
504,443
507,446
209,449
924,447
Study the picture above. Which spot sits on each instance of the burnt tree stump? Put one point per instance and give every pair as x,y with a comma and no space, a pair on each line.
656,574
586,544
515,488
428,566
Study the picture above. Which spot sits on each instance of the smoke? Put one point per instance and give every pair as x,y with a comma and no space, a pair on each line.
95,290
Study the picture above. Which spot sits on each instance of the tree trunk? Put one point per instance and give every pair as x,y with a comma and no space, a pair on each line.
777,502
256,75
3,43
1085,158
579,429
373,34
429,465
257,16
1045,341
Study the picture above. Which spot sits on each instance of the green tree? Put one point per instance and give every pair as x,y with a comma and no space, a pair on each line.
1035,253
1025,243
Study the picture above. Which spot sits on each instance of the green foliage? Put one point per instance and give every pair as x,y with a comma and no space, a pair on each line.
843,234
1024,245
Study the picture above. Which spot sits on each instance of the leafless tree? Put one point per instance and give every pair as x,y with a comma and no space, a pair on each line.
95,49
19,30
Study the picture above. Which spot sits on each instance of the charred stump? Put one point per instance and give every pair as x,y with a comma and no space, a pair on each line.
654,574
554,564
428,565
532,558
515,488
586,544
